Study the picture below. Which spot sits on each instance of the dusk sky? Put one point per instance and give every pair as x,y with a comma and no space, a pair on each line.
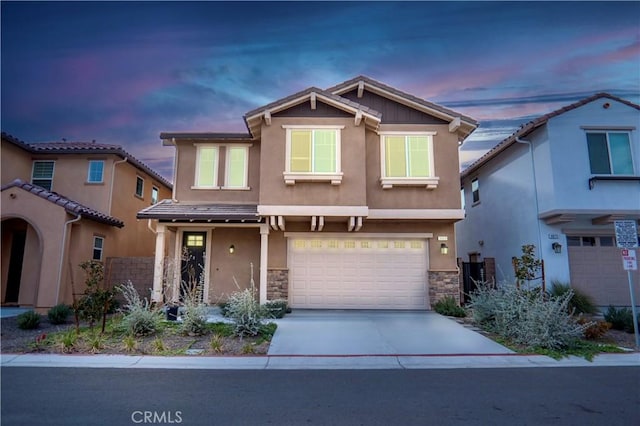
122,72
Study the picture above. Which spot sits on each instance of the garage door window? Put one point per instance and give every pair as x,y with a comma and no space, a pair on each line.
590,241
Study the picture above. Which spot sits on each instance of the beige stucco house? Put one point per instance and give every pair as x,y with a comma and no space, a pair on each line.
65,203
338,198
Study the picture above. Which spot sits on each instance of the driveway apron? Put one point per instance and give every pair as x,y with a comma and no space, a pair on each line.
335,332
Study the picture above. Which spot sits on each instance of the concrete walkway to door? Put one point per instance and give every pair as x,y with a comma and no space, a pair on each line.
332,332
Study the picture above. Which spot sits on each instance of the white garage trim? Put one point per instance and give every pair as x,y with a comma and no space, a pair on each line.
379,271
408,235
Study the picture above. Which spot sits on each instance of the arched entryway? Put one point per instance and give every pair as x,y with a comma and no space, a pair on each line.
21,256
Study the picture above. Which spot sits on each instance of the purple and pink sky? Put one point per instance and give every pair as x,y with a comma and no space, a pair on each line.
122,72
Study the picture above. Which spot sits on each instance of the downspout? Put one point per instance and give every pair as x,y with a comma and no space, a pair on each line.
113,178
535,191
150,228
62,252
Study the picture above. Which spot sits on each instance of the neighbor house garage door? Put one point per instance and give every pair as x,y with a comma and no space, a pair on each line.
596,269
358,273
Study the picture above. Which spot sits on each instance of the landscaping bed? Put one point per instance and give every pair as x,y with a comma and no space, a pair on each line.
218,340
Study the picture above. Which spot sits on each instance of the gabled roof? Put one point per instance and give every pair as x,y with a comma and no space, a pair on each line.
405,98
254,117
529,127
68,204
174,211
84,148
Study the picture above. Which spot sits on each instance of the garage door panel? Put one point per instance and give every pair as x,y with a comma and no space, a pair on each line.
358,273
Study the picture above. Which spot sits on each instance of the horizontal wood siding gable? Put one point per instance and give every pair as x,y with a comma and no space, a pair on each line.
304,110
392,112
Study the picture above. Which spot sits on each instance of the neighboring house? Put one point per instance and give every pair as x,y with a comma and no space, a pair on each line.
559,182
339,198
65,203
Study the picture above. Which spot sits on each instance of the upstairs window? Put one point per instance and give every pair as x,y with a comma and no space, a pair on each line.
139,186
236,167
313,154
475,190
610,153
407,159
154,195
42,174
96,171
207,167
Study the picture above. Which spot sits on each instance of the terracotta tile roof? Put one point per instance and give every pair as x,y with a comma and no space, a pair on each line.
349,84
84,148
170,210
529,127
69,205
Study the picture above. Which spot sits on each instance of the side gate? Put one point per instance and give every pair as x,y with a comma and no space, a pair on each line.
471,271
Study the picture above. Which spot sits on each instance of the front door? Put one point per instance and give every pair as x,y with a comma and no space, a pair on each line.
15,266
192,265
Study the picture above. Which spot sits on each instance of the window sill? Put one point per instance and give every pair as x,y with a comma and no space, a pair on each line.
594,178
206,188
140,197
94,183
290,178
427,182
233,188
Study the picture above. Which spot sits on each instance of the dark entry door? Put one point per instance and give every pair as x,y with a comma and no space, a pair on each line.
192,267
15,266
472,272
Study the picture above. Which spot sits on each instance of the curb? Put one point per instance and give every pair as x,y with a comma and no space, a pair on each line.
285,362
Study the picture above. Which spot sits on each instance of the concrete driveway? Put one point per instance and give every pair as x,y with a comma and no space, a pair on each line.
333,332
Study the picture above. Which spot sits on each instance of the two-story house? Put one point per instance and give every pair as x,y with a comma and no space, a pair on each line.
339,198
559,182
65,203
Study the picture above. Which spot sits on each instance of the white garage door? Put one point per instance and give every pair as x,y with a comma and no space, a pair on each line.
358,273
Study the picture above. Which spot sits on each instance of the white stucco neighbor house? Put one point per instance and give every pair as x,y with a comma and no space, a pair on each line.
559,182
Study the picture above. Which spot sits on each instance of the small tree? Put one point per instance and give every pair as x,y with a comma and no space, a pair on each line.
527,266
96,301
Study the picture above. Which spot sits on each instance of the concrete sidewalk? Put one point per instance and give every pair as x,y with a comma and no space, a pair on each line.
314,362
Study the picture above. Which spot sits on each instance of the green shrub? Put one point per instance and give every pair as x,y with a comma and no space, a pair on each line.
139,318
224,309
449,307
526,319
28,320
276,308
59,314
579,303
621,319
246,312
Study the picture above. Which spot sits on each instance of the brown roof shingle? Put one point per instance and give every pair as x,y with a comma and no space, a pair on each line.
68,204
170,210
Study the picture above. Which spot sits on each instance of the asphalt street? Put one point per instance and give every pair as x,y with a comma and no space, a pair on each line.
506,396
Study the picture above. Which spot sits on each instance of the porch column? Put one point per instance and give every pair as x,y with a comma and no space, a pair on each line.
264,250
158,271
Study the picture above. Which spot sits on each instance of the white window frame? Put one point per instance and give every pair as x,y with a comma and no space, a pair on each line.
141,195
245,183
290,178
100,249
475,191
607,132
155,190
89,172
53,171
429,182
196,184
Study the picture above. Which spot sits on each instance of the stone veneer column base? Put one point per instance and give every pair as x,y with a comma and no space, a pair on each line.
277,283
442,284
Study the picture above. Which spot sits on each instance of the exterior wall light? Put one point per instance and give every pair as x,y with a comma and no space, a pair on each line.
557,247
444,249
232,249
